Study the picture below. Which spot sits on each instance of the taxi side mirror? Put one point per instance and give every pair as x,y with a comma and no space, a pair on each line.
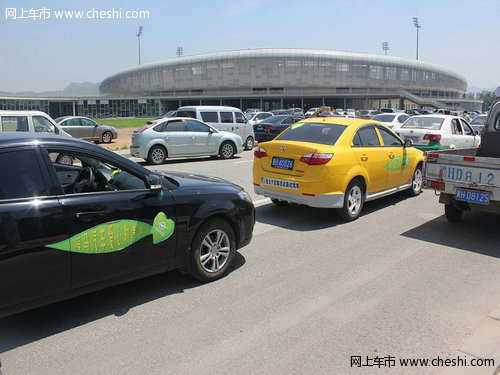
408,143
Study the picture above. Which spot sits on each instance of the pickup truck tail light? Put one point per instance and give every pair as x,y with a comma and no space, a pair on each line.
433,137
259,152
316,159
436,185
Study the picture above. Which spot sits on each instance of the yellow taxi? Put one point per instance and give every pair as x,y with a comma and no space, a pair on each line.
336,163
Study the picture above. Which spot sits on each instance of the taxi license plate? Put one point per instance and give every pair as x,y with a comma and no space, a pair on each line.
473,196
282,163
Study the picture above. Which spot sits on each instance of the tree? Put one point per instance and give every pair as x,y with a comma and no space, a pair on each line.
488,99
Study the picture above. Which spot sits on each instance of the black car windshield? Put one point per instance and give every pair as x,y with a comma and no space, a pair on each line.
479,120
424,122
273,119
323,133
384,118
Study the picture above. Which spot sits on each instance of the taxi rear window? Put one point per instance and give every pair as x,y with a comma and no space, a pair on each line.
424,122
326,134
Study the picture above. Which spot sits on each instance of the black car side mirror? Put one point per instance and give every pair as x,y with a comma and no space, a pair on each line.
408,143
154,183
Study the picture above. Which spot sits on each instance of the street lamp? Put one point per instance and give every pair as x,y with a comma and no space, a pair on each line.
179,51
417,26
385,47
139,42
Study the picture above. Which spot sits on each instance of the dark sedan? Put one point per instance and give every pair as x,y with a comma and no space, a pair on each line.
272,126
71,229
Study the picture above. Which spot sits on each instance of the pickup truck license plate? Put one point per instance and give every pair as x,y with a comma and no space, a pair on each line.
473,196
282,163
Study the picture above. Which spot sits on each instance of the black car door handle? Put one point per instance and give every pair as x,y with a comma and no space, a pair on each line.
88,216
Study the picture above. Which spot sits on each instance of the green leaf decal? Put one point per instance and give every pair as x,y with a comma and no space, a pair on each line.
397,163
106,238
162,228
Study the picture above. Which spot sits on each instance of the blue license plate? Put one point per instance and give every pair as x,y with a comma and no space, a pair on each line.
473,196
282,163
260,128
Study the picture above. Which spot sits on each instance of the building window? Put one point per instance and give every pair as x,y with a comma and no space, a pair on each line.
342,67
404,75
390,73
376,72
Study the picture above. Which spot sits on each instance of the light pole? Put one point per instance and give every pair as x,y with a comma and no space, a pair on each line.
385,47
417,26
139,42
179,51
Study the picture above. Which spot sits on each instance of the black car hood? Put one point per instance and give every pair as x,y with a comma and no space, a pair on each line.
197,181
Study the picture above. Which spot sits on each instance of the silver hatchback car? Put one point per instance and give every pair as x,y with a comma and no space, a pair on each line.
85,128
180,137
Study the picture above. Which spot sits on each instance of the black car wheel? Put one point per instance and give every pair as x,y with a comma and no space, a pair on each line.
157,155
249,143
227,150
416,182
453,214
212,250
353,201
107,137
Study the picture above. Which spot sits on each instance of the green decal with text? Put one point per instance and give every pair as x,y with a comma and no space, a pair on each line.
397,163
116,235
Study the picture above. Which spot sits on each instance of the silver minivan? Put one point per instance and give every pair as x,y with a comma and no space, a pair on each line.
229,119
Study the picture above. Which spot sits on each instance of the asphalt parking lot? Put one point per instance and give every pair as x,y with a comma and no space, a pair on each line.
309,293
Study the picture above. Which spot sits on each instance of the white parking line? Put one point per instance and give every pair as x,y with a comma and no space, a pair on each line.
243,161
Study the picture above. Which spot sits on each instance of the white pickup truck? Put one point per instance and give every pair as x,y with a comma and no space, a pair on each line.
468,179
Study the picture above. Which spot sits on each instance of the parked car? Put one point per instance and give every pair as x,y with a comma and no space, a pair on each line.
181,137
351,113
310,112
169,114
277,112
387,110
367,113
228,119
269,128
437,132
257,117
106,220
29,121
297,113
326,114
253,110
392,120
340,111
336,163
85,128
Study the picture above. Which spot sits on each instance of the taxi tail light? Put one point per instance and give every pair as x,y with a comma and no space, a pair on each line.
259,152
316,159
432,137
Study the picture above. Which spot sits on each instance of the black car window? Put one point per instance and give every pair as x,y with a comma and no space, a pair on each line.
226,117
239,117
41,124
196,126
313,132
403,118
366,137
15,123
209,116
22,179
90,174
174,126
186,113
389,139
287,120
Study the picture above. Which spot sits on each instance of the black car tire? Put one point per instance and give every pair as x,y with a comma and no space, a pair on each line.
249,143
107,137
65,159
416,182
157,155
207,254
453,214
354,198
227,150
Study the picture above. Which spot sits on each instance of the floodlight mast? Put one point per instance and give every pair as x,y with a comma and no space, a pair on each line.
139,42
417,26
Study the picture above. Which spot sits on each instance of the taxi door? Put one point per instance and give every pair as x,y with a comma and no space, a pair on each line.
371,157
397,163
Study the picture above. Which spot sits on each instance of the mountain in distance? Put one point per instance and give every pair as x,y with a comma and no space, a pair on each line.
73,89
82,88
474,89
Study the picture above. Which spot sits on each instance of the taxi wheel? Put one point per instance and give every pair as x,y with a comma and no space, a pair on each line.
353,201
249,143
416,182
278,202
227,150
453,214
157,155
212,250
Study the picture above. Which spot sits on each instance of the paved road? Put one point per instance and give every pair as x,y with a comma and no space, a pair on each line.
308,292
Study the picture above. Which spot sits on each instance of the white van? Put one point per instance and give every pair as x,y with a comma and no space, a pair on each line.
29,121
228,119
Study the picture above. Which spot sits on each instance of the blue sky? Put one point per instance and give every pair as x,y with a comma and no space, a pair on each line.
43,55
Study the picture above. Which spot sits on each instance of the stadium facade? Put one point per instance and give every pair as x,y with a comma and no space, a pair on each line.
273,79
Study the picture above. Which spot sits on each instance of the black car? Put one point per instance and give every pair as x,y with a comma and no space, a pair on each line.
269,128
70,229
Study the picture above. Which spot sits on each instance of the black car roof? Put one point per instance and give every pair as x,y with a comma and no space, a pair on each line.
9,140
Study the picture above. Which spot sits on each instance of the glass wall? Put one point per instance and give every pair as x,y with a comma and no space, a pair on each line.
119,108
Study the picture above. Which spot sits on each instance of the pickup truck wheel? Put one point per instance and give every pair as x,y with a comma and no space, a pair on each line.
453,214
416,182
212,250
353,201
